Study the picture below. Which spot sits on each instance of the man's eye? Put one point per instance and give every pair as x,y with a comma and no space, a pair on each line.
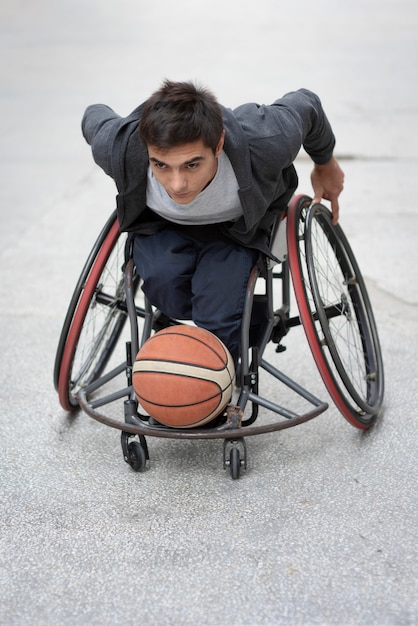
193,166
160,166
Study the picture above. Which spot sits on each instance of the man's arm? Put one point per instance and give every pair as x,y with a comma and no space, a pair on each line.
327,177
318,141
98,127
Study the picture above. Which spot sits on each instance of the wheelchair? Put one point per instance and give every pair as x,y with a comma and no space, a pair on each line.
109,318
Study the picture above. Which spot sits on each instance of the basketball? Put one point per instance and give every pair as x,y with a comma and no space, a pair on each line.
183,376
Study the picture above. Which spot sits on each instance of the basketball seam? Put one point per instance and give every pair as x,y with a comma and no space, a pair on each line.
186,363
191,337
180,406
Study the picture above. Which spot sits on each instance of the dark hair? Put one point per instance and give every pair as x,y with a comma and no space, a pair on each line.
179,113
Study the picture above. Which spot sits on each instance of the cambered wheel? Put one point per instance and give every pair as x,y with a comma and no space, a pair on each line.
336,312
77,294
95,318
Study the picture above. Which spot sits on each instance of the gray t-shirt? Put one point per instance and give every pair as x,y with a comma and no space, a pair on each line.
218,202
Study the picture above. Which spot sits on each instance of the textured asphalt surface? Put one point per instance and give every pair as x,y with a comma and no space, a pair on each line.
322,527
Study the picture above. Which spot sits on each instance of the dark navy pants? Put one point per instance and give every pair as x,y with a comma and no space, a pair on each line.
190,279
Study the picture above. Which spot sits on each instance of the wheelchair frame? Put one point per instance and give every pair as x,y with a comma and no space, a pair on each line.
334,310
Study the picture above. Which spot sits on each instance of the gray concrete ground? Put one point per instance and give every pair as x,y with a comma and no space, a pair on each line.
322,527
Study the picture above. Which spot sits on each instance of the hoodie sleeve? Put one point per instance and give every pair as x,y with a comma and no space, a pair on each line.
99,126
314,129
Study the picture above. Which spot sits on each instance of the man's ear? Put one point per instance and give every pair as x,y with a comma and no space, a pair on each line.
220,144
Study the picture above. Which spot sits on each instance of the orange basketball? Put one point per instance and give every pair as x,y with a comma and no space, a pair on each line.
183,376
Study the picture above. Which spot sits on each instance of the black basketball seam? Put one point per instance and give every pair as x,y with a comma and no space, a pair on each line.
162,360
194,339
178,406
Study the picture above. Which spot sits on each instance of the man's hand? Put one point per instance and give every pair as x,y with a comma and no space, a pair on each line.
328,182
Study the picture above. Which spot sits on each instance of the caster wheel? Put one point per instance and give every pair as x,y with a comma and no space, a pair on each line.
235,456
136,456
234,463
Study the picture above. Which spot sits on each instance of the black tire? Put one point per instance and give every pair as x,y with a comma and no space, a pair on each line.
235,463
137,457
336,312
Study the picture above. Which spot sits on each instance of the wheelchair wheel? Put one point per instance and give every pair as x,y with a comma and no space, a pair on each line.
335,311
95,318
77,293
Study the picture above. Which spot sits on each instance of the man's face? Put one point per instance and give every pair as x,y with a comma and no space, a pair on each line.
184,171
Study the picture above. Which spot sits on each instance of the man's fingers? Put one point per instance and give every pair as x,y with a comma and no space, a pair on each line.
335,207
335,210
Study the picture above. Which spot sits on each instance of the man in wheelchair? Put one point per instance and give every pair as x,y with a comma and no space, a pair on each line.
199,187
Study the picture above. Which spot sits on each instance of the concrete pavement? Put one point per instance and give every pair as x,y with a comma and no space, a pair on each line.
321,528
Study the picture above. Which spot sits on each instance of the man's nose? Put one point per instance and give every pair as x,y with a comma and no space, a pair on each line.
178,181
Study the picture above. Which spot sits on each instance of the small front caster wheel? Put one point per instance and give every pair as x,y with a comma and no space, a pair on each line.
136,456
234,463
